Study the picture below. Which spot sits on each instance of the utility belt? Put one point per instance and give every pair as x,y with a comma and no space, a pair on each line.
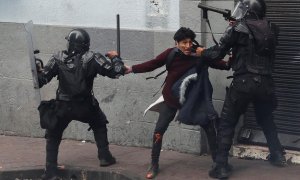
251,82
66,97
248,74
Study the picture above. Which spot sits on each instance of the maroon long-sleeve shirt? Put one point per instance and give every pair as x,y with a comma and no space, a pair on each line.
178,67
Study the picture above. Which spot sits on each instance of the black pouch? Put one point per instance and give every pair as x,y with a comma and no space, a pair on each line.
244,84
48,118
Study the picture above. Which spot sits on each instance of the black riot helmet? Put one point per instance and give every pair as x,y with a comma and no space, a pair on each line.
249,9
78,41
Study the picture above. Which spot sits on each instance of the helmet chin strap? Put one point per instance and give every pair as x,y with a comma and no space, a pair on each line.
70,55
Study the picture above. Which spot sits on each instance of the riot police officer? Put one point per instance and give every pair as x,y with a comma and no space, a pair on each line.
252,40
76,69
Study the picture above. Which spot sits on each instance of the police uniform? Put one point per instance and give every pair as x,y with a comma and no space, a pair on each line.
75,100
253,43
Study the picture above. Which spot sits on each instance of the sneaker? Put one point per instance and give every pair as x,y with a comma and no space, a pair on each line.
152,171
220,171
107,161
277,159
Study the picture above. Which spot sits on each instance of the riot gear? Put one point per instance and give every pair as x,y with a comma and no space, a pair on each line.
261,46
257,53
249,8
118,66
253,41
76,69
115,64
78,42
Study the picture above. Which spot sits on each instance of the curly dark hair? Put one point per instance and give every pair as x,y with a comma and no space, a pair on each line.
183,33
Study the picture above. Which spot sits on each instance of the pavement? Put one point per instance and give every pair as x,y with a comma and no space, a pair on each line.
17,153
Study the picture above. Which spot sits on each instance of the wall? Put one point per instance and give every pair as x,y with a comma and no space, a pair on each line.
135,14
122,100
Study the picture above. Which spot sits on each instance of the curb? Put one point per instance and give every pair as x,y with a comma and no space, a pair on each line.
259,152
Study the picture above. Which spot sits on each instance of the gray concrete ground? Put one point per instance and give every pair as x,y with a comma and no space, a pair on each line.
24,152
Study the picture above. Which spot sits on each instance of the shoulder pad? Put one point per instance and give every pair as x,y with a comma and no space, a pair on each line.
227,34
87,57
102,61
241,27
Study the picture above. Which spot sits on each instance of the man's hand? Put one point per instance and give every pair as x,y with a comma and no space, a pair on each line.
111,54
128,69
199,51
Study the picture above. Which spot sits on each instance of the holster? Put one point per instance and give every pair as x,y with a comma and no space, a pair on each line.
48,118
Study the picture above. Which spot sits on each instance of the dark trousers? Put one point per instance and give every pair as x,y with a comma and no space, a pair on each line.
87,111
166,115
243,90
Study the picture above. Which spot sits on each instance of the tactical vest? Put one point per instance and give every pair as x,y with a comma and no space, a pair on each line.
72,77
261,46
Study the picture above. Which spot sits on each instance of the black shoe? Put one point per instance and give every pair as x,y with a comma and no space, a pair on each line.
277,159
220,171
107,161
50,176
152,171
106,158
51,172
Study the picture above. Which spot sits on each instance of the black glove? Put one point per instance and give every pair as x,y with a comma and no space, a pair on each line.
118,65
39,65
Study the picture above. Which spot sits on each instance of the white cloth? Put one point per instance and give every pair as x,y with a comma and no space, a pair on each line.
155,106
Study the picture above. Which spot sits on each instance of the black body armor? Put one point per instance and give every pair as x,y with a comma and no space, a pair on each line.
76,74
253,47
257,54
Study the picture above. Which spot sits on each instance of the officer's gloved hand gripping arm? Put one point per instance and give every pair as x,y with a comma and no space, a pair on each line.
112,67
218,52
113,54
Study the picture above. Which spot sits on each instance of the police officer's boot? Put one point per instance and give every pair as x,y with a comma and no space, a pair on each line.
220,171
211,138
51,171
104,155
277,158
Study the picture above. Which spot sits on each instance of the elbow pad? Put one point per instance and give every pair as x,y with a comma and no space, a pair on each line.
103,61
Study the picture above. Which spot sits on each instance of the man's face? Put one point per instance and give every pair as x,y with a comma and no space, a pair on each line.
185,46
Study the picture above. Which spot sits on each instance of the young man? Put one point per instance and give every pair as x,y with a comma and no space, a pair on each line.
76,69
253,40
183,61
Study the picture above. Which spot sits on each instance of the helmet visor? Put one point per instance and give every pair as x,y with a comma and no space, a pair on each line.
239,11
